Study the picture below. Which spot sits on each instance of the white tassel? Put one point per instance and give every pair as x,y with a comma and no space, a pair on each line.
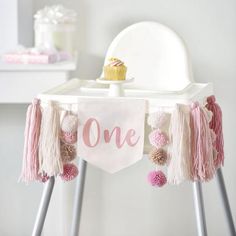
179,165
49,146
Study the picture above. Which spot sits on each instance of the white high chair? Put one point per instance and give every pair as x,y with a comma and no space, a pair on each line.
158,60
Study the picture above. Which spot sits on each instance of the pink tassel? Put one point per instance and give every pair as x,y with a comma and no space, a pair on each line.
216,126
202,164
30,165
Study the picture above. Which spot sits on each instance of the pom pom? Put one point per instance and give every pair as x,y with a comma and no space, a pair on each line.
68,153
68,137
70,171
69,123
158,156
157,178
43,178
158,139
158,119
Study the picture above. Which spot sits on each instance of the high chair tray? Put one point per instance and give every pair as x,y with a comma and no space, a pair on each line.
70,91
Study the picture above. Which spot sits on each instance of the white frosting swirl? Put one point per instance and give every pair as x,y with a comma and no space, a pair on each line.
115,62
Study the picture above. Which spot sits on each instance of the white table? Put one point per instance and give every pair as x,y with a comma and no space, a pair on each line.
20,82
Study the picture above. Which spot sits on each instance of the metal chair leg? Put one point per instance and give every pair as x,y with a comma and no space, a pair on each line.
199,209
78,198
43,207
225,200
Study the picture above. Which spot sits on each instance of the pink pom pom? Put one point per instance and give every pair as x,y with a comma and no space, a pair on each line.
157,178
158,138
43,178
70,171
68,137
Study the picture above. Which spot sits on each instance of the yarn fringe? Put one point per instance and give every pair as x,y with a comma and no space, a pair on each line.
179,166
49,146
216,126
202,152
30,166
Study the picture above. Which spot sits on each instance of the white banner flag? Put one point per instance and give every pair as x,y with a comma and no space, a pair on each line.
111,132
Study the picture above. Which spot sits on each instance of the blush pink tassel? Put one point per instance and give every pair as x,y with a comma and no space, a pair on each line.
30,165
202,163
216,126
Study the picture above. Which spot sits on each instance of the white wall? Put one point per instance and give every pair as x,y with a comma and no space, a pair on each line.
16,24
18,203
8,24
123,204
25,22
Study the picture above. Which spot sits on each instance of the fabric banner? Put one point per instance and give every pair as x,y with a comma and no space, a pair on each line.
111,132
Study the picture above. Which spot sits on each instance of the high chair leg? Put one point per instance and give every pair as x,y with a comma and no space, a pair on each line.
225,200
78,198
199,209
43,207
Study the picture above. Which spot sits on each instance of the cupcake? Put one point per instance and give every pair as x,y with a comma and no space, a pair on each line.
115,70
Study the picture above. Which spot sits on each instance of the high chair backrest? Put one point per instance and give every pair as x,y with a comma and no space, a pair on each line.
154,55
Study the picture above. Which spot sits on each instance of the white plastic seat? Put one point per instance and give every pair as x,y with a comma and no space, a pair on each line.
155,56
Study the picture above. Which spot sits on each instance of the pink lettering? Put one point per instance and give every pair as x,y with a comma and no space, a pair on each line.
130,134
129,137
86,132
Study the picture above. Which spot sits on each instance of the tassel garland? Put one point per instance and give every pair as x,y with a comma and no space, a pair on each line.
189,142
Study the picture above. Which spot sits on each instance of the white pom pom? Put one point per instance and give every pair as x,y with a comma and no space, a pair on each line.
69,123
158,119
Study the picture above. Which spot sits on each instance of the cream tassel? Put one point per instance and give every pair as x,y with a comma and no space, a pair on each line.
179,166
49,147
